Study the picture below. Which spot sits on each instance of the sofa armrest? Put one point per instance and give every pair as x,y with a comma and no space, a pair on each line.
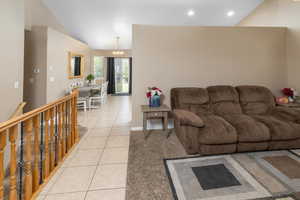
188,118
287,113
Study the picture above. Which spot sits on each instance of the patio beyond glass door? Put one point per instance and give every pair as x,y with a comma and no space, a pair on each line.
122,75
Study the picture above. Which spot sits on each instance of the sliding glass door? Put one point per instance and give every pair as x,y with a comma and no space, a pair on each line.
122,75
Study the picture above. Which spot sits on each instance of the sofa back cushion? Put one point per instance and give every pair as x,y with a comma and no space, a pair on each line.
192,99
224,100
256,100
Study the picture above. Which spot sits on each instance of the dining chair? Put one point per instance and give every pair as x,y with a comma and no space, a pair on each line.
101,97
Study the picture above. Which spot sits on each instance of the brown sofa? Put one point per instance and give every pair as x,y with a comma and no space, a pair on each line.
226,119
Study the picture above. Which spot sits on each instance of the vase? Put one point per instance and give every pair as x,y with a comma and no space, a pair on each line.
154,101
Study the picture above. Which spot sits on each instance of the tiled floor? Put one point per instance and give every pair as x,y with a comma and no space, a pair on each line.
97,168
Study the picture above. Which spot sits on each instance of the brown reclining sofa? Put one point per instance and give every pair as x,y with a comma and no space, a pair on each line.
226,119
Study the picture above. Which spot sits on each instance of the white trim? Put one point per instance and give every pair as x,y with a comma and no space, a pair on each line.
137,128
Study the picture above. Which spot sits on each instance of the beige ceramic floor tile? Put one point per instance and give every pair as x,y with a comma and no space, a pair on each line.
93,143
86,157
104,124
99,132
52,181
109,177
73,179
118,141
114,155
67,196
120,131
116,194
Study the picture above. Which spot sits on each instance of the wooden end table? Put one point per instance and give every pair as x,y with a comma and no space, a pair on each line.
155,113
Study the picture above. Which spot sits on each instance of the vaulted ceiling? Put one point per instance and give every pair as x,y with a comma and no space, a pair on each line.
99,22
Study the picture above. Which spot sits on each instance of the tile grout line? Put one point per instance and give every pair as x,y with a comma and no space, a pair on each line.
96,167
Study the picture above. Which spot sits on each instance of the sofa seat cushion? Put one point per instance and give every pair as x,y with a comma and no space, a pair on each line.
248,129
279,129
216,131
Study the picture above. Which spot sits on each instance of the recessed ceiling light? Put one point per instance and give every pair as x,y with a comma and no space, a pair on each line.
191,13
230,13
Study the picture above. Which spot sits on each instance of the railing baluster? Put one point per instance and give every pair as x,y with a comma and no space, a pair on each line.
52,140
21,162
13,133
28,159
73,121
64,132
69,129
75,118
36,174
59,136
41,148
2,171
47,159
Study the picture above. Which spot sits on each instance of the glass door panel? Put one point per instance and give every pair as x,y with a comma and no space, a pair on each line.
122,75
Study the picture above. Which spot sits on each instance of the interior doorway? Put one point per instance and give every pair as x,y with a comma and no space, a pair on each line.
119,76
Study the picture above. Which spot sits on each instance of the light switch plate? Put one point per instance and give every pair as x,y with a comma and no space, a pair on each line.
16,85
31,80
36,70
52,79
51,68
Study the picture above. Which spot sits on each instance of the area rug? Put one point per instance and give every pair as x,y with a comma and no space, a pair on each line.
243,176
146,174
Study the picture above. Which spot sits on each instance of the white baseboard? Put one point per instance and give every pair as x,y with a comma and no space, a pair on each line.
137,128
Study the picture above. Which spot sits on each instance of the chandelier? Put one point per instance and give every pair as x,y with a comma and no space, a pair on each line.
118,52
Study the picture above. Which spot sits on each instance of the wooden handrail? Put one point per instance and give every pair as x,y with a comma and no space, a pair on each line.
11,122
47,135
19,110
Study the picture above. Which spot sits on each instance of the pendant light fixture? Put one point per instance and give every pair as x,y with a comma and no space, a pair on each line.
117,51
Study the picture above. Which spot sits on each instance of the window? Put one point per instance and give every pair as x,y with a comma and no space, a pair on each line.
98,67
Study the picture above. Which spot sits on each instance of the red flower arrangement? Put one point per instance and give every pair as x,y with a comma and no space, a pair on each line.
153,91
289,92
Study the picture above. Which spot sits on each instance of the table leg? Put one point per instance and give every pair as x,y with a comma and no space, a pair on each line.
145,125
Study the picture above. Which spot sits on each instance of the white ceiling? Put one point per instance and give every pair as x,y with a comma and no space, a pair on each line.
99,22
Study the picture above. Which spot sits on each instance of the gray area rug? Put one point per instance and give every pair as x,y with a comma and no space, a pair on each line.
146,177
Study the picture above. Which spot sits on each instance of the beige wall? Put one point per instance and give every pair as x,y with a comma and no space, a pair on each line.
37,14
11,55
57,61
204,56
47,50
282,13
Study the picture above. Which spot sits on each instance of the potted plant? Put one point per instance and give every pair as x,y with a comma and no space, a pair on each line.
153,94
90,78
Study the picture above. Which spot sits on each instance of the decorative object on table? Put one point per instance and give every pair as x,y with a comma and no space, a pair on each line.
90,78
153,94
290,93
282,100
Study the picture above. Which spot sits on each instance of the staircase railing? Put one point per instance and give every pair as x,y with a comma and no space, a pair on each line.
38,141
